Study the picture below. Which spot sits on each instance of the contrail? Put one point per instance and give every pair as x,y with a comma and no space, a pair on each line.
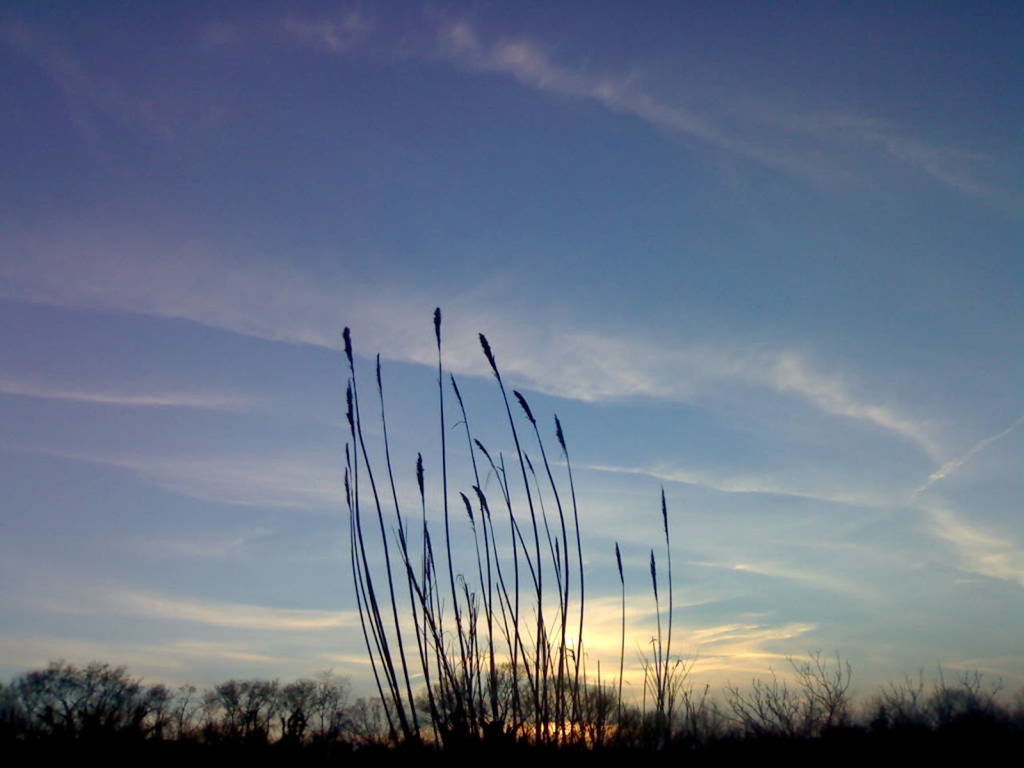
954,464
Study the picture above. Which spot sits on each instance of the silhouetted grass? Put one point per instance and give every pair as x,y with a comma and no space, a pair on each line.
494,659
499,651
495,680
503,659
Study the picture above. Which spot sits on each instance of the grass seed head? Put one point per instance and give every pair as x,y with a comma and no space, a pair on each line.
483,500
489,355
419,472
482,449
525,406
654,575
458,395
346,335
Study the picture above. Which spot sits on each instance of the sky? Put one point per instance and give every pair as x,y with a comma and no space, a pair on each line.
766,257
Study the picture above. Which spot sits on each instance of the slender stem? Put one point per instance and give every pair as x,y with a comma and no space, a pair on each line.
560,435
398,517
539,663
666,694
407,731
622,636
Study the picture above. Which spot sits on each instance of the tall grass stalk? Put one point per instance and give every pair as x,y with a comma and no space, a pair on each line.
499,652
408,731
536,668
560,436
622,635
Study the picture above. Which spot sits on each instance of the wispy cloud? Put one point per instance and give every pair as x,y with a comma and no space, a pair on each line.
985,553
792,373
531,65
331,34
788,572
232,615
994,555
123,601
951,166
809,144
184,637
211,546
591,366
820,141
340,31
749,645
752,484
90,99
167,661
100,105
286,482
953,465
195,283
838,135
747,648
10,386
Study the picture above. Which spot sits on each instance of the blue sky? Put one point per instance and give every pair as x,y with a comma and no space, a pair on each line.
765,257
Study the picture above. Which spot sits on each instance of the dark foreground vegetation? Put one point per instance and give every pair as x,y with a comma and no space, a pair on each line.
101,710
472,613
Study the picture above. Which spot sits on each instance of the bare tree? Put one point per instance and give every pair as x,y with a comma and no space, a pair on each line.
329,715
817,700
241,710
71,702
187,707
911,704
824,684
367,723
901,705
313,709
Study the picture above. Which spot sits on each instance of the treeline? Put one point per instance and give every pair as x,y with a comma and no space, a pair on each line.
100,703
810,714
